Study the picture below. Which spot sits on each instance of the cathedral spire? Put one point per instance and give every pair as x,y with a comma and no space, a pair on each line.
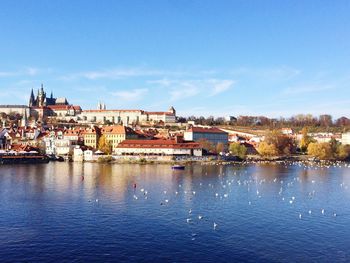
31,98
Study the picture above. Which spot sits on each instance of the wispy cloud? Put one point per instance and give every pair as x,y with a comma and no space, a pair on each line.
183,91
130,95
120,73
220,86
268,73
28,71
187,88
306,88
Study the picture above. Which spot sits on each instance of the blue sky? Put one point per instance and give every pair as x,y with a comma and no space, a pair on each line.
273,58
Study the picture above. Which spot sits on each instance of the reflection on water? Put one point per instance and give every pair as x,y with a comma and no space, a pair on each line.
273,213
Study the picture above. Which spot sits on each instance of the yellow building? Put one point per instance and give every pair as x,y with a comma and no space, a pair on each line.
91,137
117,133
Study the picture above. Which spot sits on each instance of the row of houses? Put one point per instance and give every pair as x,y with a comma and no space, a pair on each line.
123,140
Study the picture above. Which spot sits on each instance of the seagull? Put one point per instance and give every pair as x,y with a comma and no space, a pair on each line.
310,212
200,217
215,225
190,211
188,220
299,216
322,211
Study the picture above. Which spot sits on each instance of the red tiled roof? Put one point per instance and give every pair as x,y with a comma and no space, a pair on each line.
117,129
77,108
63,107
157,144
159,113
113,111
73,132
206,130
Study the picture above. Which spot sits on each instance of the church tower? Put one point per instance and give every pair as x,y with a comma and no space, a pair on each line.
172,110
31,99
24,121
41,97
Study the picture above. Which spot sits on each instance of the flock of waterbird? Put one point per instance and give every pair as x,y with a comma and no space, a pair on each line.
229,180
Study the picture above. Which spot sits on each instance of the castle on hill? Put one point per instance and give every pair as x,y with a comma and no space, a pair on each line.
41,100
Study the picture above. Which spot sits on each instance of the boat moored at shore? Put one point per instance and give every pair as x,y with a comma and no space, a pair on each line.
22,157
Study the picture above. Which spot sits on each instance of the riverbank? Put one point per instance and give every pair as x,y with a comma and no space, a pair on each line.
211,160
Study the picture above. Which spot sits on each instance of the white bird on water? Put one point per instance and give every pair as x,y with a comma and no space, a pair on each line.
299,216
200,217
215,225
188,220
322,211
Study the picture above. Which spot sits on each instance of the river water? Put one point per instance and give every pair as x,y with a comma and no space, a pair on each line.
251,213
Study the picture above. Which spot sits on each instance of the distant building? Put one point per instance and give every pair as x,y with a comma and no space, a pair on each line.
126,117
213,135
41,105
41,100
287,131
19,109
345,138
230,119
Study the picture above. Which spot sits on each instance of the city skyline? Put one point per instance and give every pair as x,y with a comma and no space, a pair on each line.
204,58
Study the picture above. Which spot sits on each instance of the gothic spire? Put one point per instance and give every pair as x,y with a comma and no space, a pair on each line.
31,98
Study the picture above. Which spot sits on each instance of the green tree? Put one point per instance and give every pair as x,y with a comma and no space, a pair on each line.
238,150
104,145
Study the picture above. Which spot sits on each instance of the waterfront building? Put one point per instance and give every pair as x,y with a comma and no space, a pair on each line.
91,137
117,133
75,135
213,135
158,147
5,139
